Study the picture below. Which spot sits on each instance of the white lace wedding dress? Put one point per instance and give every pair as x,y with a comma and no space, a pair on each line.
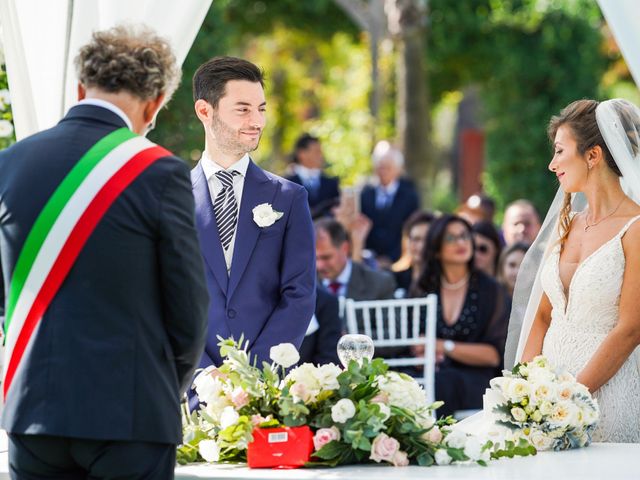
579,324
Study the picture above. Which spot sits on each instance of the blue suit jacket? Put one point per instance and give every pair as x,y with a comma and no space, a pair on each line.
121,338
269,295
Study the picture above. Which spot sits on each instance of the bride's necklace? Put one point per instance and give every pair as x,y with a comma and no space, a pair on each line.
586,218
456,285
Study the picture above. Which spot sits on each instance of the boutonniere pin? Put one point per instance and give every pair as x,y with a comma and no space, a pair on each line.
264,215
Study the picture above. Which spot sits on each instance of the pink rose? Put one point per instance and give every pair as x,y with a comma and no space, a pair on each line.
239,397
324,436
257,420
381,397
384,448
400,459
434,435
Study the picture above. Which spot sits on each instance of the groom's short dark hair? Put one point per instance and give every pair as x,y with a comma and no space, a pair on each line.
210,80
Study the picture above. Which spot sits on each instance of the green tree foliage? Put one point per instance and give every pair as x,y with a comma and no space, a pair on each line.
530,59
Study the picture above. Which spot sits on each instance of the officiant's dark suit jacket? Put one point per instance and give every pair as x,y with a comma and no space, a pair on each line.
126,329
269,294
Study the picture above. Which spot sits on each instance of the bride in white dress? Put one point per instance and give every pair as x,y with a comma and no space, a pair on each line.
587,288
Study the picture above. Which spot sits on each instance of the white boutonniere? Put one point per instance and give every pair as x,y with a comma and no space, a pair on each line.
264,215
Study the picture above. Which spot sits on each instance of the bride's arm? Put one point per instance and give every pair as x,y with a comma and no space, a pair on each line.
539,328
625,336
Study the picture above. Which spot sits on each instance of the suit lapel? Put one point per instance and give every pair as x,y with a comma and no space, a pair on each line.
257,189
208,229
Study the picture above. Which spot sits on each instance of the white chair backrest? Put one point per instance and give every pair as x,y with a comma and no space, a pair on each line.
399,323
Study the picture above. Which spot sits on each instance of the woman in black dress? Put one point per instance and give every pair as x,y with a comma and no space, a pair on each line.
473,313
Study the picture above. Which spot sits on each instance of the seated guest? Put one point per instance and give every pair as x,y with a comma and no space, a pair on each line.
388,203
308,162
521,222
416,228
509,265
488,246
325,329
472,316
342,276
477,208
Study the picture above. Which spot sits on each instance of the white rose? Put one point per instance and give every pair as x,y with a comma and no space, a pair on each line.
536,416
6,129
264,215
328,376
284,354
402,390
343,410
545,408
563,414
456,439
5,98
544,391
518,414
305,375
442,457
228,417
209,450
517,390
541,375
540,441
473,449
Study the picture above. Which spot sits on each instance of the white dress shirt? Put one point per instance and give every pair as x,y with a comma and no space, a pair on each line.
343,279
109,106
210,168
385,195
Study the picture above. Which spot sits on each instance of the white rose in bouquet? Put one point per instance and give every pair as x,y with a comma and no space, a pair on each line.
543,391
517,390
403,391
442,457
540,440
229,417
456,439
327,376
563,414
209,450
518,414
306,385
343,410
284,354
473,449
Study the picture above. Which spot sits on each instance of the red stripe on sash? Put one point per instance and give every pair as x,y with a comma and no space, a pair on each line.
73,246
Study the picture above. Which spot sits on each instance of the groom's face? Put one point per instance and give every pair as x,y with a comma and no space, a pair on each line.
238,121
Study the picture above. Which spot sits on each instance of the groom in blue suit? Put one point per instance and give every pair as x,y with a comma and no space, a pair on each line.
255,228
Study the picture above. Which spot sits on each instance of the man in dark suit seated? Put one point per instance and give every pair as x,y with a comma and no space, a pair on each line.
308,162
320,343
342,276
388,204
97,362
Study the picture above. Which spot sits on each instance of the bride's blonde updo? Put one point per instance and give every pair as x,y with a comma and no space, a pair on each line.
580,117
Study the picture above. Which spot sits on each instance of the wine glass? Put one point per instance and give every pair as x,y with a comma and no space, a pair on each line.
354,347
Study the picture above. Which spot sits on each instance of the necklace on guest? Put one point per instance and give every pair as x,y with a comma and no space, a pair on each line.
456,285
586,218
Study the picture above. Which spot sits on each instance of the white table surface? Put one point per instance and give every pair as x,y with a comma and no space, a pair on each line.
600,461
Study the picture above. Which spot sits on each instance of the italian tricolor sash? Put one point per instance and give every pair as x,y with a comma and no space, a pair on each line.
62,229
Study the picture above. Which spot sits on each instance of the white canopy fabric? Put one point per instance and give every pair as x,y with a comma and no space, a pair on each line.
623,17
42,37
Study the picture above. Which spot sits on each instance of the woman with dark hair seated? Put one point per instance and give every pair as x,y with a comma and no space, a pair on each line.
415,231
488,247
472,316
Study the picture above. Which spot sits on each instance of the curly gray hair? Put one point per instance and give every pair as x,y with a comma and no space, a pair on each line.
134,59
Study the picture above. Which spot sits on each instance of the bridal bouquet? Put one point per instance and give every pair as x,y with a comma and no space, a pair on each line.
549,407
365,413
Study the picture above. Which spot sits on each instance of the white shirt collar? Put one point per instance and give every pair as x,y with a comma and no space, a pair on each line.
210,167
391,188
109,106
306,173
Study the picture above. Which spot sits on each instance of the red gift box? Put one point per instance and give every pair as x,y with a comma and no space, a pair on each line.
285,447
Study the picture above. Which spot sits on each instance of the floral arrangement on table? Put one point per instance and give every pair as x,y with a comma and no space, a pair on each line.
548,406
364,413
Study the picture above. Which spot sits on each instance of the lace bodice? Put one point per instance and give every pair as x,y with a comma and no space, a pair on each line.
581,321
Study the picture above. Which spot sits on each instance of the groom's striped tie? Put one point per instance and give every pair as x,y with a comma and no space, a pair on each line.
226,207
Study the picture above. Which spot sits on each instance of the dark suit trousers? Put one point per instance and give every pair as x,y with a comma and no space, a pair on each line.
38,457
